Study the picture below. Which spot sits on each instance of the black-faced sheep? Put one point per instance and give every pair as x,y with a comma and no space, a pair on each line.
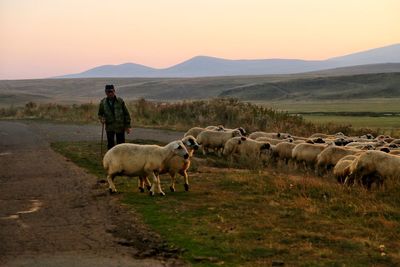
176,165
251,150
140,160
231,147
241,130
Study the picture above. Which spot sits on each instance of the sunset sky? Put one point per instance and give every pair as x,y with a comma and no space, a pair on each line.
45,38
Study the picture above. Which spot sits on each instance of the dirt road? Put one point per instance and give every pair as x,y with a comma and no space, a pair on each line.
53,213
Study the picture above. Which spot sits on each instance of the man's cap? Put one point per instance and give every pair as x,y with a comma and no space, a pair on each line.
109,87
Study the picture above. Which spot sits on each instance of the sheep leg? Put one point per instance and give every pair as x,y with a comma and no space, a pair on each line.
141,183
156,183
153,186
349,180
111,185
219,151
172,187
147,183
159,186
185,175
204,150
144,181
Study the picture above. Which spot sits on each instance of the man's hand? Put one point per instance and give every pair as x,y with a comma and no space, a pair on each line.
128,130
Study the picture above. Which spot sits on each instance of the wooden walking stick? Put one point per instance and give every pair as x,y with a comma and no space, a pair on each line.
101,142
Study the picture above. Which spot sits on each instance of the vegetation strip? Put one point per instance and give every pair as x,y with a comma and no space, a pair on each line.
183,115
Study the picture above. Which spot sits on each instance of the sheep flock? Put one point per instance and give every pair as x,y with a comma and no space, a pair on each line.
353,160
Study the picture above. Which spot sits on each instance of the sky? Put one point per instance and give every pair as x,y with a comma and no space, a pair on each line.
47,38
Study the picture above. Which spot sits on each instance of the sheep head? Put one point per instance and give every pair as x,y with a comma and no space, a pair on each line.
178,148
190,142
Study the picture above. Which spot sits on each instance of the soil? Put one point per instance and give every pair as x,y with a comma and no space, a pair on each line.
53,213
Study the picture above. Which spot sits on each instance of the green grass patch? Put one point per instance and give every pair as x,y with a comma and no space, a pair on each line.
238,217
382,105
384,124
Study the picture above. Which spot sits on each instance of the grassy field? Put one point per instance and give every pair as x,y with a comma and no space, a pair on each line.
387,125
273,216
384,113
383,105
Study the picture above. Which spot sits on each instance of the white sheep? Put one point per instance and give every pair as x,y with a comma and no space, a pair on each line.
306,153
394,141
374,167
362,145
194,131
395,152
140,160
215,140
342,168
273,141
283,151
230,147
175,165
321,135
331,155
215,128
250,149
241,129
270,135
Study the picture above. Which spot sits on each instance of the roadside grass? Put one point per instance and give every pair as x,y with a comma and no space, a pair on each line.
240,217
229,112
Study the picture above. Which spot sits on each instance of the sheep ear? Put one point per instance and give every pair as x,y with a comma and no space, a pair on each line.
177,145
385,149
243,138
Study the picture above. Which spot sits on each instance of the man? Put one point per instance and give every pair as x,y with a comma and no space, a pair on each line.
113,112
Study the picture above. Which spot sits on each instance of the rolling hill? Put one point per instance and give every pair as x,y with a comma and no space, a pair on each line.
382,85
295,87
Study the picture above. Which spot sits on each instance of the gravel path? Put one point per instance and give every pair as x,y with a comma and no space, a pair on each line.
52,213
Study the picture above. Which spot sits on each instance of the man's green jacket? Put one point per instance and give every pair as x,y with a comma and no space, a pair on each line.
115,113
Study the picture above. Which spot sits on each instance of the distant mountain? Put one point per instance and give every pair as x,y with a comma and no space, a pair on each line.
122,70
387,54
203,66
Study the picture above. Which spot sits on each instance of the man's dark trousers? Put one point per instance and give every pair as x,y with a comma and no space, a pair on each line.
110,138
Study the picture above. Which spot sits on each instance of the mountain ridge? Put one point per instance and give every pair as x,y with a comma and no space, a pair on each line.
207,66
